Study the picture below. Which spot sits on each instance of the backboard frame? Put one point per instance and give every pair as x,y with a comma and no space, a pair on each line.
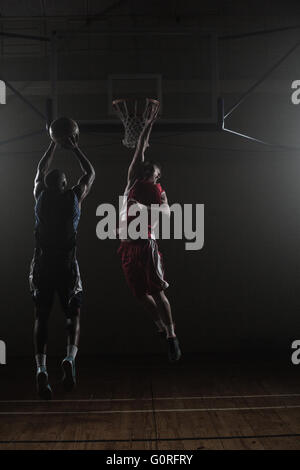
212,123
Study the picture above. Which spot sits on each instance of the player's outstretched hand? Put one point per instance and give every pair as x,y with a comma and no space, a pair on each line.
151,114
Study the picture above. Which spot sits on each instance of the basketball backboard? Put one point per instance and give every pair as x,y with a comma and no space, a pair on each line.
179,68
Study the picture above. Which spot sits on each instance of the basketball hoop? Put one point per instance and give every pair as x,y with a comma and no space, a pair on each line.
133,114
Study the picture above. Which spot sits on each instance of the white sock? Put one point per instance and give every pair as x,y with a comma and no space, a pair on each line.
170,331
40,360
160,325
72,351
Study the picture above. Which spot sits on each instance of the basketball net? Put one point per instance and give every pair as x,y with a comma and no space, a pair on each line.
133,115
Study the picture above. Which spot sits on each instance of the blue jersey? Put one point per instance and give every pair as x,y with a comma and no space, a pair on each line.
56,220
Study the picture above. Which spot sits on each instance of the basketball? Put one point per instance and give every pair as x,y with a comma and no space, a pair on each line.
62,128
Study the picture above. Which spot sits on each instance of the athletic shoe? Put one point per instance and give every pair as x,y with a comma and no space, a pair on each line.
174,352
69,373
43,388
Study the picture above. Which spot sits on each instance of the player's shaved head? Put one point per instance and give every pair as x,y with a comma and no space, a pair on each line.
149,169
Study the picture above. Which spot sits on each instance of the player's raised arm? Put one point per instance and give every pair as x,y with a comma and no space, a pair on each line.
42,169
142,143
86,180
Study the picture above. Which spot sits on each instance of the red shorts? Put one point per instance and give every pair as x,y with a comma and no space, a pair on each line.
143,267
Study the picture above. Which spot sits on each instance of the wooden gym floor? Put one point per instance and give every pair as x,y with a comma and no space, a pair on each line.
143,402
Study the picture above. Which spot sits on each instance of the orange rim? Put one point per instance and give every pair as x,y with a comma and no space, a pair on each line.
122,100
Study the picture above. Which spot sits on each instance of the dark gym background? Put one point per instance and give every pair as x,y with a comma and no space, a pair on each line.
240,293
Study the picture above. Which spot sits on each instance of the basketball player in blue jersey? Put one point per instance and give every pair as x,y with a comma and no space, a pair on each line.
54,267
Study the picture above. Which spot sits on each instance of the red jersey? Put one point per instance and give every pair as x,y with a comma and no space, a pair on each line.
145,193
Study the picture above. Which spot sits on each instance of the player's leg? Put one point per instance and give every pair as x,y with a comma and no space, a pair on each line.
73,329
150,305
135,276
40,333
69,289
159,307
73,334
40,345
156,285
42,292
164,308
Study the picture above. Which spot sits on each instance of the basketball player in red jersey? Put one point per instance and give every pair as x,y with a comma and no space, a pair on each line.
141,260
